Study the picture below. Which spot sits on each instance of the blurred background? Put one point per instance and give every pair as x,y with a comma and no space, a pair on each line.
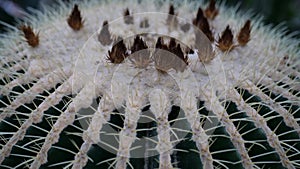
274,11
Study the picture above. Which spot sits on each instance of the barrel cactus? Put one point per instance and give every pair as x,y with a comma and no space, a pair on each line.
148,84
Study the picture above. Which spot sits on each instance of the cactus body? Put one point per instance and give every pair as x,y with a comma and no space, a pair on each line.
148,85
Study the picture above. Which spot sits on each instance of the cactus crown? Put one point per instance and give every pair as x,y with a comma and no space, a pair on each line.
148,84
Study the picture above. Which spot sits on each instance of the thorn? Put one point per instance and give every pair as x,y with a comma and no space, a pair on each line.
225,43
75,21
104,36
31,38
118,52
128,19
244,35
211,12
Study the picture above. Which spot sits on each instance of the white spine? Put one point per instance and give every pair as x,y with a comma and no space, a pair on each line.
44,84
273,87
160,107
213,104
128,134
35,117
92,134
287,116
82,100
189,106
260,122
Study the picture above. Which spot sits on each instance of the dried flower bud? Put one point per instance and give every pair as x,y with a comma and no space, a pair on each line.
199,17
211,12
225,43
118,52
31,38
203,25
201,22
244,35
75,21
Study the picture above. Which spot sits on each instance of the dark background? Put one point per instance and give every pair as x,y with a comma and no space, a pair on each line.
274,11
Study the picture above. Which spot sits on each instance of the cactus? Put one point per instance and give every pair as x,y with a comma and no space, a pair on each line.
148,84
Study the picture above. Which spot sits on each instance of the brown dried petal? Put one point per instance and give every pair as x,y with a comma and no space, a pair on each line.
211,12
225,43
118,52
201,22
75,21
244,34
31,38
199,17
203,25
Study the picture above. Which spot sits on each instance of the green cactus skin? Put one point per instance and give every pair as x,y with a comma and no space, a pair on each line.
234,102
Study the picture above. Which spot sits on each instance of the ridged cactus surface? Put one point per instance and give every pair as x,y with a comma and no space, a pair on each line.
148,84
